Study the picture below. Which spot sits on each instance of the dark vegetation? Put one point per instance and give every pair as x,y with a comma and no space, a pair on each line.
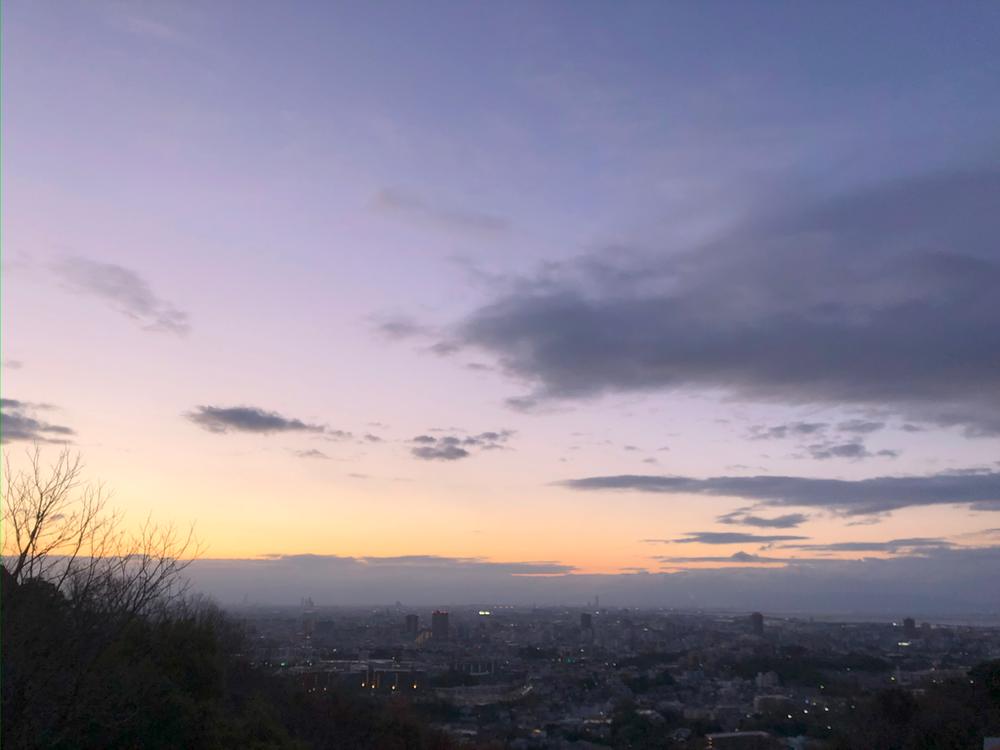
102,649
952,714
73,678
797,666
644,683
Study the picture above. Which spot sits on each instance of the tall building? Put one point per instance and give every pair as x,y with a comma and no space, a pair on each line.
909,627
757,623
412,625
439,625
586,621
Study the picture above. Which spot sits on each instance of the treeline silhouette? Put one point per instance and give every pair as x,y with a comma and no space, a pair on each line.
952,714
74,678
102,647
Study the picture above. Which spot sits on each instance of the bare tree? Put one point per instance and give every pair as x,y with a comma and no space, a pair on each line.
59,529
74,575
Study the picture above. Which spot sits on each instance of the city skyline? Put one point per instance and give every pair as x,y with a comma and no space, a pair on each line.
519,302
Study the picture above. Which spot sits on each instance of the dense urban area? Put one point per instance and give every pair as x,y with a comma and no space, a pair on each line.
598,677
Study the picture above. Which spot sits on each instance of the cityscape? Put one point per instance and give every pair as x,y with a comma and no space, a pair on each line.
585,677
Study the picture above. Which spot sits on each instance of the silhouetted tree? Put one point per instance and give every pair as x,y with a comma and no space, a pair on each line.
75,580
102,649
951,715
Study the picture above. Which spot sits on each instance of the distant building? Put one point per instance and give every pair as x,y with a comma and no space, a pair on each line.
308,624
439,626
412,625
586,621
740,740
757,623
909,627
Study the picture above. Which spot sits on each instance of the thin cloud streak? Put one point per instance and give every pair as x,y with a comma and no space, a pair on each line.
979,490
787,521
411,206
125,291
727,537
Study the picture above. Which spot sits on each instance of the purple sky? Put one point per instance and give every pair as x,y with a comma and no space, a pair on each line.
564,288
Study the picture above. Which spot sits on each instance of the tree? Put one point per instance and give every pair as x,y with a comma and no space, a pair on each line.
103,650
59,529
75,579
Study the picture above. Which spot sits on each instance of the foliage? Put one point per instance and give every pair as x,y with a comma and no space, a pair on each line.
953,714
101,650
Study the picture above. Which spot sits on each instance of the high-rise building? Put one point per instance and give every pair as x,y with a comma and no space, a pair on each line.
757,623
439,625
909,627
586,621
412,625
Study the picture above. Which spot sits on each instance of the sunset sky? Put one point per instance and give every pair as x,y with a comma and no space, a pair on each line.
440,294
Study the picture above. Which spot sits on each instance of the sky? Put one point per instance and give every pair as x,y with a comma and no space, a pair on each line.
686,304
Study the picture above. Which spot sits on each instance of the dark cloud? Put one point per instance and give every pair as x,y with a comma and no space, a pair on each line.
737,558
13,364
19,422
728,537
872,520
437,561
440,452
125,291
854,450
781,431
740,518
979,489
912,544
840,441
251,419
370,438
861,426
886,297
408,205
455,447
489,440
833,442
